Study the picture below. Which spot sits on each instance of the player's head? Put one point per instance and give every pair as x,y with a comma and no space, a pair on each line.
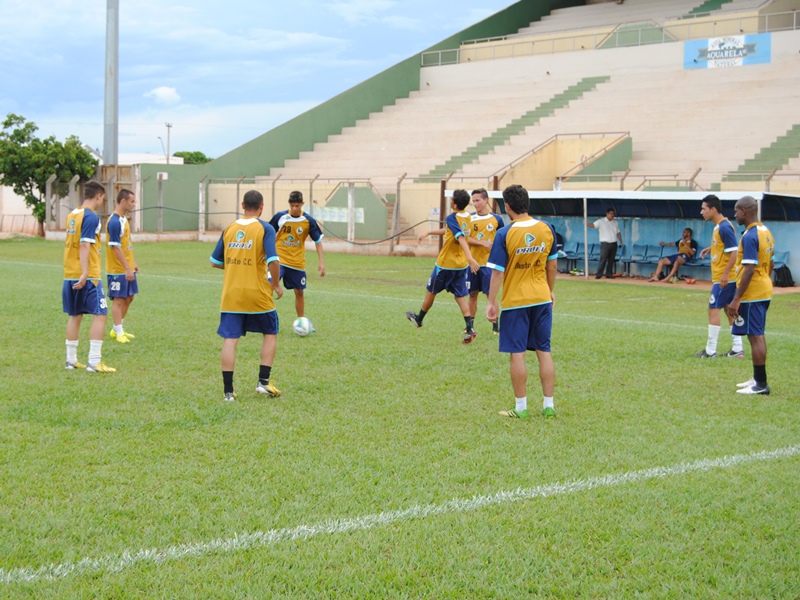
746,210
126,199
710,207
480,199
253,201
687,233
92,190
516,199
460,199
296,203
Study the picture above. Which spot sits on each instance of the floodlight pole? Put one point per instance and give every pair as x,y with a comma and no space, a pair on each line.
169,126
111,118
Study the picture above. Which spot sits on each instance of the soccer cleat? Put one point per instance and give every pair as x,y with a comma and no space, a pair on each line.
754,389
495,328
674,280
123,339
515,414
749,383
268,389
734,354
704,354
76,365
469,336
100,368
549,411
229,397
126,334
413,318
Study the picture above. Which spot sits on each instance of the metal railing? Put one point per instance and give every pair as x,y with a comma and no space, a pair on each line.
623,35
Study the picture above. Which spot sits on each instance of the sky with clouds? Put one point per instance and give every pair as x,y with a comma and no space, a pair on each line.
220,73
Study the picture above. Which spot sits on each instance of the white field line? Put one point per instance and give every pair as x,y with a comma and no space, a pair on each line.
261,539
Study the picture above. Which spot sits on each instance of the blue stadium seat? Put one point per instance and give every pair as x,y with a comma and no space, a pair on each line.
637,254
779,259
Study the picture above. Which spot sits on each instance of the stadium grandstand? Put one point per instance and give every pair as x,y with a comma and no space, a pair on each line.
642,105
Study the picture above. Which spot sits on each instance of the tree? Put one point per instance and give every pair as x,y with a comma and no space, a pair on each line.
27,162
193,158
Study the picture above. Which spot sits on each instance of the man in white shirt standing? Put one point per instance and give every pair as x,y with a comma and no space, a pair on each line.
608,229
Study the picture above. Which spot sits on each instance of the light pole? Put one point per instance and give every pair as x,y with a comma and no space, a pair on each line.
169,126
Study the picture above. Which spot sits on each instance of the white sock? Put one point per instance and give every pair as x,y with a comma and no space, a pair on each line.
118,329
95,352
737,343
548,402
522,403
72,351
713,335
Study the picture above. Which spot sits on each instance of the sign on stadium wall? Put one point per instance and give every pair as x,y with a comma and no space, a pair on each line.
729,51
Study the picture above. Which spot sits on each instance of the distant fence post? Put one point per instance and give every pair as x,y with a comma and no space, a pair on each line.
351,211
201,207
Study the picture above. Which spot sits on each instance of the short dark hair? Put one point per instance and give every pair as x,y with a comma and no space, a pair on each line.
611,210
124,195
461,198
516,198
481,192
296,197
253,200
713,202
92,189
689,229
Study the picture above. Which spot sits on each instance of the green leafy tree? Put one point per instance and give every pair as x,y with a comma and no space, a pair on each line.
193,158
27,162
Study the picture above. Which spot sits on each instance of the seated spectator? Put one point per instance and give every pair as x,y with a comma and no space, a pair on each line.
687,248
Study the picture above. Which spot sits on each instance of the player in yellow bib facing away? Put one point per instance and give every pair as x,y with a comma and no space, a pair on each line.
82,291
524,257
748,309
246,249
121,267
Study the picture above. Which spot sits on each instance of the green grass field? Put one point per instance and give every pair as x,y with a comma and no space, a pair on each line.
384,471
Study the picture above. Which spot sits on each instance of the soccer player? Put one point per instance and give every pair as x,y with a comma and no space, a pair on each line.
483,226
723,250
121,267
748,309
687,248
293,226
452,265
82,291
246,249
524,257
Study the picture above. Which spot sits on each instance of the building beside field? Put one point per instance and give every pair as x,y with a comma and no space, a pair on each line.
670,96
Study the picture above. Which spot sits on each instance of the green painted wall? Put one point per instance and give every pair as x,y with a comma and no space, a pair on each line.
376,216
616,159
180,196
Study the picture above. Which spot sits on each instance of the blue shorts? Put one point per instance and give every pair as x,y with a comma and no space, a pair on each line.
293,279
89,300
452,280
479,282
119,287
236,325
526,328
675,257
721,298
752,319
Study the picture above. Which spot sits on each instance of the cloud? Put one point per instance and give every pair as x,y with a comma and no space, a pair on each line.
356,12
166,96
406,23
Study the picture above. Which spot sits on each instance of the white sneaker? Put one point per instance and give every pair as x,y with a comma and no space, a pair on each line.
746,384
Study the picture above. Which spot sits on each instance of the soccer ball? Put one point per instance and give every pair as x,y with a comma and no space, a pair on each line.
302,326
